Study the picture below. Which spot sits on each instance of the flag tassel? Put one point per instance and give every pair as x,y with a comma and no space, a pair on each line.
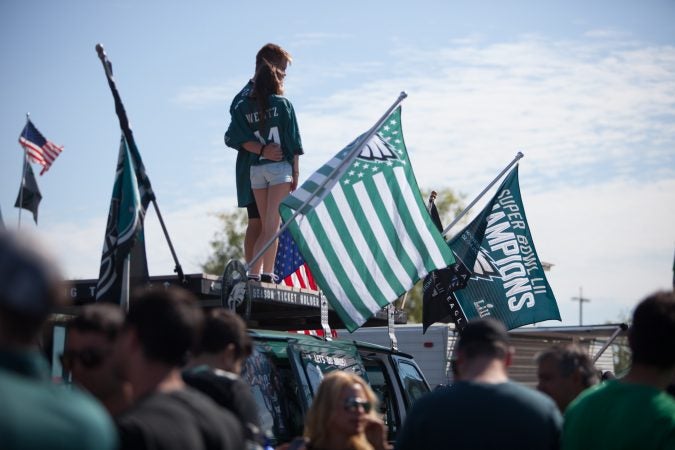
348,160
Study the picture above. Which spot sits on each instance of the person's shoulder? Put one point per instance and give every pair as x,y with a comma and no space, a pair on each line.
80,415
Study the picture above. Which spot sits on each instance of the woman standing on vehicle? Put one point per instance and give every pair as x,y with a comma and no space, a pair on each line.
270,117
342,416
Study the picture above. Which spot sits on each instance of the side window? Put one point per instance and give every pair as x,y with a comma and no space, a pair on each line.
381,384
414,385
275,390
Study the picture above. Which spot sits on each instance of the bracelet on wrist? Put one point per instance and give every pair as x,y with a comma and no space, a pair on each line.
262,149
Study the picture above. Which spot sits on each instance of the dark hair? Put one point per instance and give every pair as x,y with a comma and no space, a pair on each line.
570,358
222,328
272,54
483,337
31,285
652,333
268,81
168,323
103,318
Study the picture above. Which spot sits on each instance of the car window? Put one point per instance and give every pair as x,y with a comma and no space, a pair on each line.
276,392
382,386
414,385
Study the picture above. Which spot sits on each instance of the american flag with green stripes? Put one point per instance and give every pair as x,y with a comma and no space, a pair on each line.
365,232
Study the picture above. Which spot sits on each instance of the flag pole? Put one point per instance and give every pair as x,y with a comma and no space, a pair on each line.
466,210
126,130
348,160
23,173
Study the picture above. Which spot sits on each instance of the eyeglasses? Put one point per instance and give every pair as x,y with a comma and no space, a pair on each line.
88,357
352,404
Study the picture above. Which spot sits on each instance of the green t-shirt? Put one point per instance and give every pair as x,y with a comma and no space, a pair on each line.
37,414
279,125
619,415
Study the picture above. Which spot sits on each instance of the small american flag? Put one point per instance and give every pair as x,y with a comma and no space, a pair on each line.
39,149
290,267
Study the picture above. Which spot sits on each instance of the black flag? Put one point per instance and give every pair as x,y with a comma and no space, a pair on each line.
438,301
29,196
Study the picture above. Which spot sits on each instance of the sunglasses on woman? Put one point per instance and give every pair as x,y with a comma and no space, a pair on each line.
90,358
353,404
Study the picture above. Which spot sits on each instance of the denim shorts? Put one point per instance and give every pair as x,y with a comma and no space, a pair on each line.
266,175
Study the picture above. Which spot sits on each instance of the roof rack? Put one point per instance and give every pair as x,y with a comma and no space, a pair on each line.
263,305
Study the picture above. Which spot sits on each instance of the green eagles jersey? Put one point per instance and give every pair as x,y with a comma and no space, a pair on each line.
279,125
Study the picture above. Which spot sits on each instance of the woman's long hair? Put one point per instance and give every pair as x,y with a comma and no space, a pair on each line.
317,422
268,81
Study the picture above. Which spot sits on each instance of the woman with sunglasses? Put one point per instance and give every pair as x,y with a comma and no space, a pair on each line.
343,417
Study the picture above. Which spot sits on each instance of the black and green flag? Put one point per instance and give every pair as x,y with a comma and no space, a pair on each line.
507,279
29,196
124,236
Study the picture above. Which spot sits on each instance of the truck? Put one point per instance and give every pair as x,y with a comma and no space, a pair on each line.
294,347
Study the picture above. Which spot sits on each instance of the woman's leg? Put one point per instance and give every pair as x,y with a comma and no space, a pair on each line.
271,221
261,200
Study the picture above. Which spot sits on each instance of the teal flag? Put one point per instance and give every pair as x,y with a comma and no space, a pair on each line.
124,236
366,235
508,281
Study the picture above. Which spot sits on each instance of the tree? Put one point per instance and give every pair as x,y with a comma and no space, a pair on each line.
228,242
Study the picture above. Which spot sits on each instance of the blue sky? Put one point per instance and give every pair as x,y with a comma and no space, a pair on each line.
585,89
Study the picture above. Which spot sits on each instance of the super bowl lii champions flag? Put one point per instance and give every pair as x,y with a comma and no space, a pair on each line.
361,225
508,281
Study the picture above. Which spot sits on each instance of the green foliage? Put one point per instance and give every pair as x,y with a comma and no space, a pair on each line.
449,205
227,242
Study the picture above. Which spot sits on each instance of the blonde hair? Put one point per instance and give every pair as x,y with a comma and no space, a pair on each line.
325,403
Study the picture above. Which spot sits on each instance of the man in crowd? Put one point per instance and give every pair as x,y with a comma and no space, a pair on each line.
35,413
216,368
162,326
484,409
87,355
563,372
633,411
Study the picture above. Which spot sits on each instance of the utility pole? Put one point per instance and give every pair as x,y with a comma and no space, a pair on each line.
581,301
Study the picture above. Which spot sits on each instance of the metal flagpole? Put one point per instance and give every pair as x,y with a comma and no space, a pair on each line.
501,174
348,160
126,130
23,174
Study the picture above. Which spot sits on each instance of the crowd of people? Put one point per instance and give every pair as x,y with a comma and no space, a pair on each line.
166,374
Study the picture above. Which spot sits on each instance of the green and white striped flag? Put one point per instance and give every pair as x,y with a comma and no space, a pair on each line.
366,234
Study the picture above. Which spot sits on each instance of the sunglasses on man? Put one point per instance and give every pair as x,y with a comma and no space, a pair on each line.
90,358
352,404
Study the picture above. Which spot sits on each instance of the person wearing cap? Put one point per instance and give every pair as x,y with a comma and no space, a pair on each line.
484,409
35,413
633,412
